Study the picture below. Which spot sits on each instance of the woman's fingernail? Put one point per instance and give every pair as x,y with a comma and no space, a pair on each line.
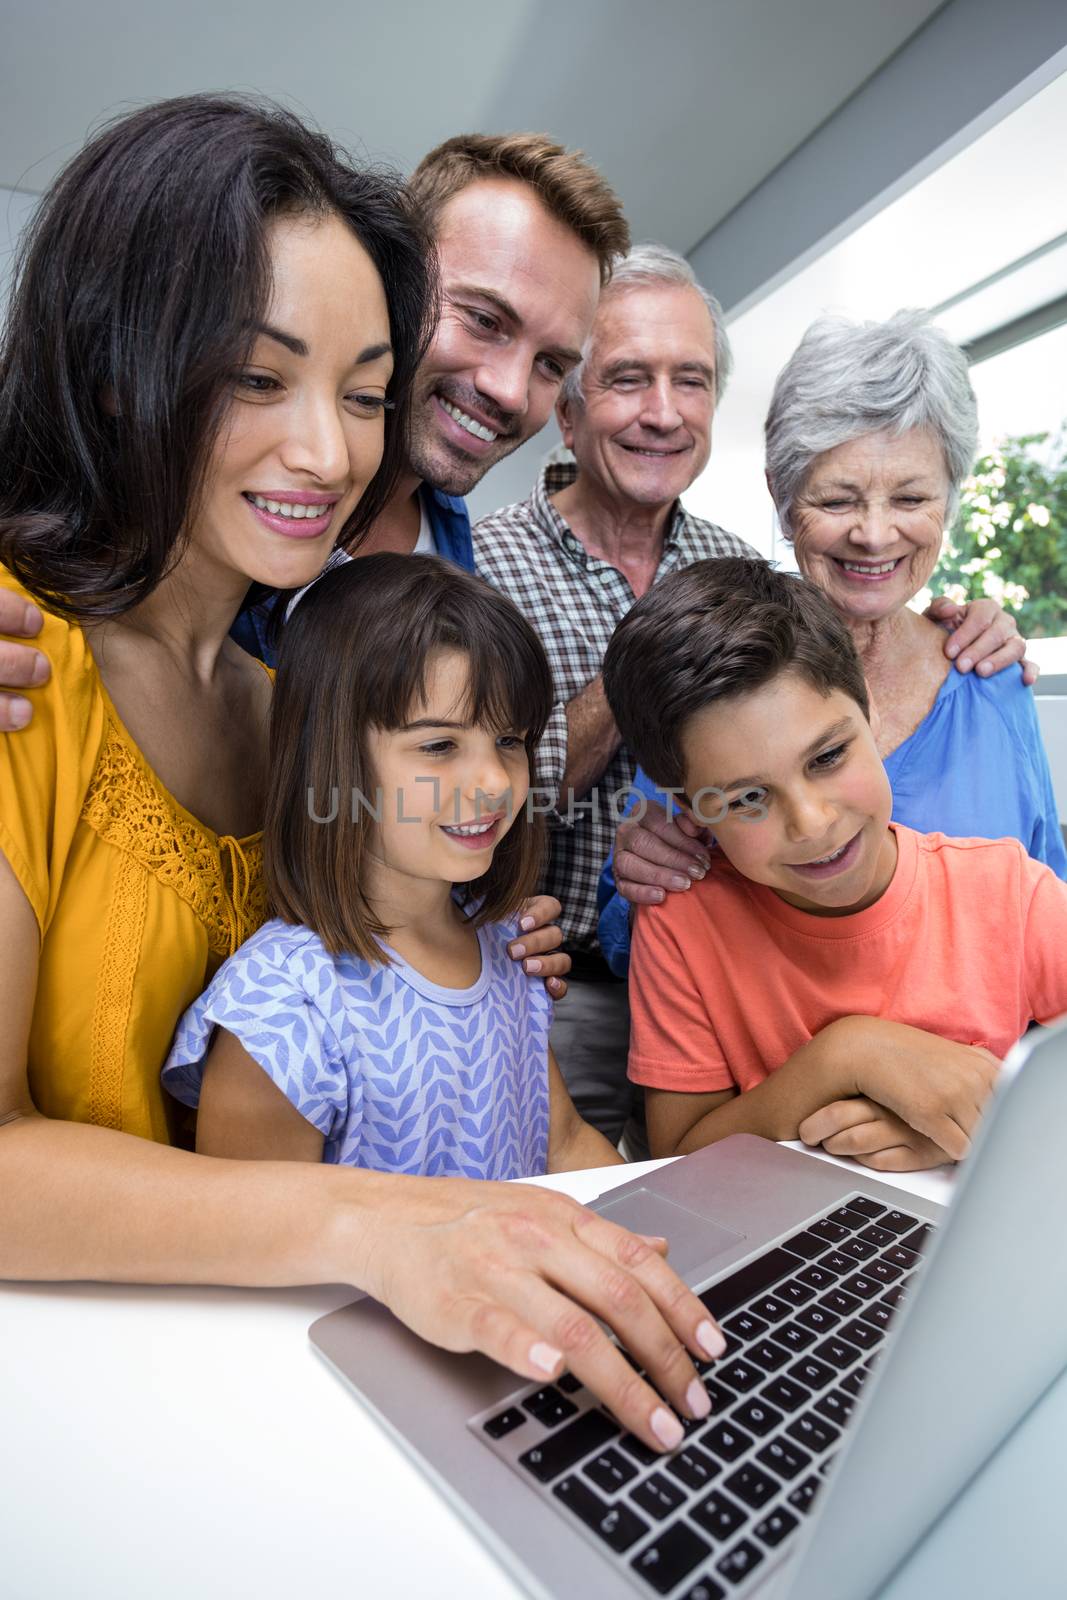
545,1356
696,1398
19,711
965,663
658,897
531,966
518,951
953,651
40,669
711,1340
678,882
985,668
33,620
527,923
555,983
667,1428
696,871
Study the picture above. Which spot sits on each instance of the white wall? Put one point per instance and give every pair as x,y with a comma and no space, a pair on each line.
956,77
1052,715
16,208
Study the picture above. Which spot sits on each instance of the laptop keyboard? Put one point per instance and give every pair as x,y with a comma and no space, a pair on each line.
804,1324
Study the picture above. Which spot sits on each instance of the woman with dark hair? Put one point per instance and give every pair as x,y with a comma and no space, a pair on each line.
203,387
193,397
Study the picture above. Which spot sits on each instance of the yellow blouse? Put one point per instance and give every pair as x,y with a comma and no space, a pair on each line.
137,902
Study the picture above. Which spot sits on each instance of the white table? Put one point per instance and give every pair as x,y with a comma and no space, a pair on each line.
165,1444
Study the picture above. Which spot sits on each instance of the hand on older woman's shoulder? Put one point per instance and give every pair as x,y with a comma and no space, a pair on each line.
983,637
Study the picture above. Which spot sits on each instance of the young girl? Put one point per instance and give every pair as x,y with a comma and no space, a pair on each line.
377,1020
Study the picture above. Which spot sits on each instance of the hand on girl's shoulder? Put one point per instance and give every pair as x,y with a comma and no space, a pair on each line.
536,939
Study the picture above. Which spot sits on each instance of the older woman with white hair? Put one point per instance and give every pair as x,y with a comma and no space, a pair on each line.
871,430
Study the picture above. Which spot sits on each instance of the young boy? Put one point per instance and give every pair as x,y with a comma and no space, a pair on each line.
835,977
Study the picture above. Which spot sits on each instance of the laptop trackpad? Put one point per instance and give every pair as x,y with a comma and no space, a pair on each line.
694,1240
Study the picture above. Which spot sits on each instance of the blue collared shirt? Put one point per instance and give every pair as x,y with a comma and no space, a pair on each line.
975,767
450,525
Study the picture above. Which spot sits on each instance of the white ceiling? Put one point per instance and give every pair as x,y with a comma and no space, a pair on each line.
685,104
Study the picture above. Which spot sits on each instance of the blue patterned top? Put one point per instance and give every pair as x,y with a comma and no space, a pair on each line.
397,1074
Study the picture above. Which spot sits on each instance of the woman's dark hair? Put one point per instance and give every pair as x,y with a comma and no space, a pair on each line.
354,655
714,631
138,289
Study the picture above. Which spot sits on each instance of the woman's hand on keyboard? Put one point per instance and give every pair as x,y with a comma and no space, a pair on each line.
523,1275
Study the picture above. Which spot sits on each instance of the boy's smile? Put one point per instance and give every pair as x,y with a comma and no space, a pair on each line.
805,801
839,860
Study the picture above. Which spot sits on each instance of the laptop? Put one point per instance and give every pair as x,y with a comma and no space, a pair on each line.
867,1375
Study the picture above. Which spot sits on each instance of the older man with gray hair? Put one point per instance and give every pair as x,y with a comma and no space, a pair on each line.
593,537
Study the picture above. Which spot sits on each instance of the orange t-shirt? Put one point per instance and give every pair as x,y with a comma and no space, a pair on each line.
727,981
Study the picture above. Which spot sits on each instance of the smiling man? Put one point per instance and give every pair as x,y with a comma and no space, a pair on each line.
526,232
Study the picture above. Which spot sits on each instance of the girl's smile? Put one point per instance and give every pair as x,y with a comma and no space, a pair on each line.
451,789
479,835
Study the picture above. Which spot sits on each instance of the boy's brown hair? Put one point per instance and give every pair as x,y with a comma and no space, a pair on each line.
568,186
715,631
355,655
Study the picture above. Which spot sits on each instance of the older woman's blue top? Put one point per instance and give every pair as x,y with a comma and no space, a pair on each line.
975,767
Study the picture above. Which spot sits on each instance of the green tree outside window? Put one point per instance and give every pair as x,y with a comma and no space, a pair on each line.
1009,540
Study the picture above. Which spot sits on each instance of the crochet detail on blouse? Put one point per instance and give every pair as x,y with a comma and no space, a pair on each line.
218,877
114,999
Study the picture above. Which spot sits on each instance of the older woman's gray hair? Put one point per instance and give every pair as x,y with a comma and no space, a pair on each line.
653,265
846,379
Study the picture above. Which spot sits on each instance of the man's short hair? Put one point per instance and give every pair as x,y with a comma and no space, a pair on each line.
568,186
715,631
654,266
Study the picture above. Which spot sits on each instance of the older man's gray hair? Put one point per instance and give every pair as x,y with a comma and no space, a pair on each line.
652,265
846,379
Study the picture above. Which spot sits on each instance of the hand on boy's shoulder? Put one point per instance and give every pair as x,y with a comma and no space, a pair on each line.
655,855
704,901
